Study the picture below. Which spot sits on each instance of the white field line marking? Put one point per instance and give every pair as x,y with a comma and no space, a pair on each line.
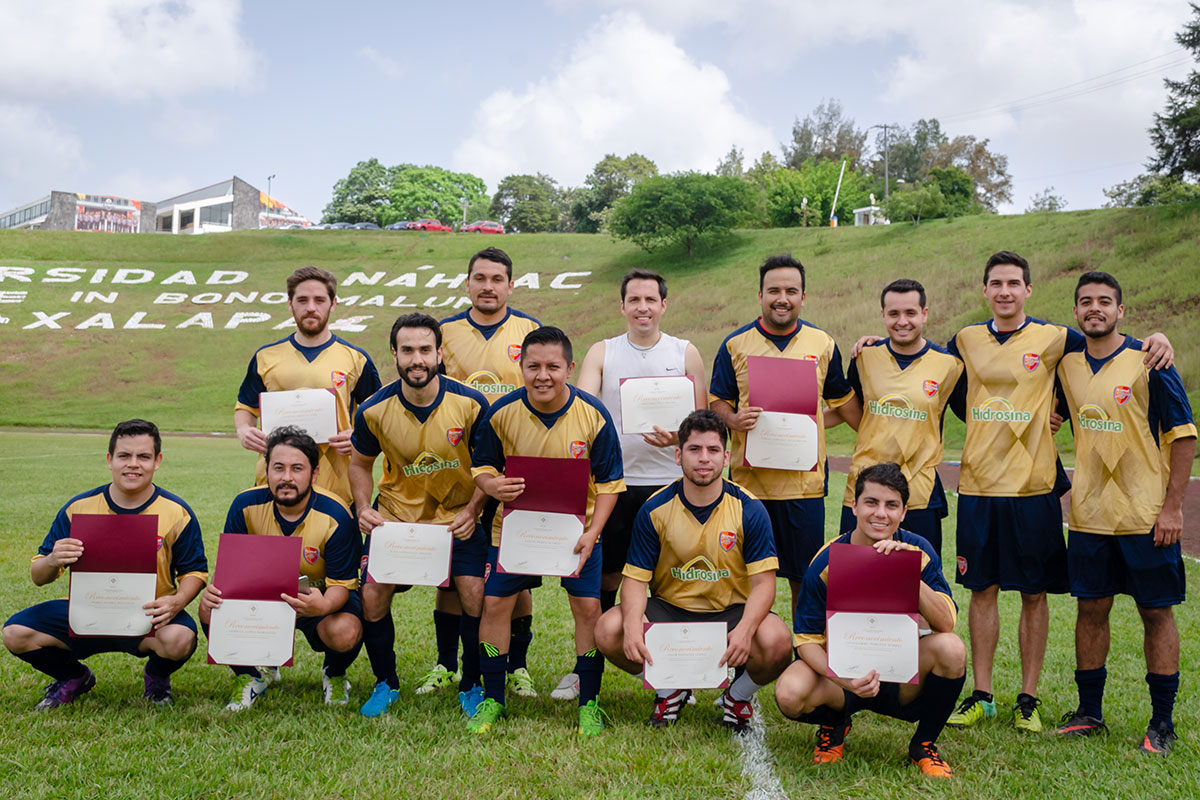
50,455
757,763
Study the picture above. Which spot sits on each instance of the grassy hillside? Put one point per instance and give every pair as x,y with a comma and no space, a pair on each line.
186,378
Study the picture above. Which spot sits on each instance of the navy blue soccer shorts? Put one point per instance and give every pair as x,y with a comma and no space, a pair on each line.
1015,543
1103,565
925,522
506,584
618,530
799,529
308,625
50,618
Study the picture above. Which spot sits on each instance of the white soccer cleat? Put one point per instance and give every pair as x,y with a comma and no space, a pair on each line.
246,692
568,687
336,690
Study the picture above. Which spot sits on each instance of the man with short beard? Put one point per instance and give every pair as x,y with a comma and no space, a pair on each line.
311,358
329,614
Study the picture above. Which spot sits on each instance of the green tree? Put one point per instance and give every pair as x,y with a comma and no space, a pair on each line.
429,191
1151,190
361,196
731,165
958,191
682,209
611,179
1046,200
817,181
526,203
915,202
825,135
1176,131
913,154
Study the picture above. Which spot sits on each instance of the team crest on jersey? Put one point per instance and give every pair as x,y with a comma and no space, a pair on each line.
454,436
311,554
1121,394
727,540
160,543
514,352
962,566
930,388
811,357
578,449
1031,361
338,378
362,564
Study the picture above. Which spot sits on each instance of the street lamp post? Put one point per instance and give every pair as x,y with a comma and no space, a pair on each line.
269,179
886,180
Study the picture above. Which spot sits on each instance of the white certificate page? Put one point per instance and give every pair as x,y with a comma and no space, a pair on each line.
646,402
539,543
312,410
251,633
410,554
858,643
782,441
110,603
686,655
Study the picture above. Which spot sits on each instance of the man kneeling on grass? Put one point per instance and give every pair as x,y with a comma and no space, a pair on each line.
804,692
701,517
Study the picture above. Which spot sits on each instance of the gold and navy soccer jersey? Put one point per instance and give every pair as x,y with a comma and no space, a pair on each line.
808,623
1125,417
701,559
904,399
729,384
1009,394
486,357
180,546
580,429
337,365
427,450
331,543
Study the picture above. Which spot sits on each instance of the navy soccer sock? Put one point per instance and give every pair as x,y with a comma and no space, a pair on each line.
337,663
161,667
1162,696
518,643
1091,691
494,666
590,669
608,599
379,638
55,662
445,627
937,704
468,631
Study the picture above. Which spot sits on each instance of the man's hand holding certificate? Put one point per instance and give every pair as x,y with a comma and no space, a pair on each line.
871,611
115,575
313,411
250,624
543,524
658,402
785,434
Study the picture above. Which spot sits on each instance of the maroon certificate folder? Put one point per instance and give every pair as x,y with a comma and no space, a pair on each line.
783,384
257,568
552,485
115,543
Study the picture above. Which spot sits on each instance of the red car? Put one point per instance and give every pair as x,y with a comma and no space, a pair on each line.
482,226
428,225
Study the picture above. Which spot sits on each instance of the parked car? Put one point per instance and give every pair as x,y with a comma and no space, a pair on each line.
402,225
482,226
340,226
470,227
366,226
429,225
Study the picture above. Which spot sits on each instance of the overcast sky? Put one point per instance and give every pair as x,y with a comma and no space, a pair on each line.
147,99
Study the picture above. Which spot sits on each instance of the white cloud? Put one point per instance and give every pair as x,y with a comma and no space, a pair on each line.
127,49
387,66
138,184
187,127
624,88
36,153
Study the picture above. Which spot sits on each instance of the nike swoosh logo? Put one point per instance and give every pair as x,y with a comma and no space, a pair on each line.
672,369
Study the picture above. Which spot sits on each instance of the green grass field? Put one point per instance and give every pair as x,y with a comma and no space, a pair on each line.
111,744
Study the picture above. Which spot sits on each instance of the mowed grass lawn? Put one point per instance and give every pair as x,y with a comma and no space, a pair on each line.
111,744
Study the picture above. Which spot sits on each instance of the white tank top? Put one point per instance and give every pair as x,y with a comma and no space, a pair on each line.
645,465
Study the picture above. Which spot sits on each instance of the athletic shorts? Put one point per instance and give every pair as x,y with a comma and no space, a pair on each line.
925,522
1102,565
308,625
886,703
468,557
659,610
506,584
1015,543
799,529
50,618
619,528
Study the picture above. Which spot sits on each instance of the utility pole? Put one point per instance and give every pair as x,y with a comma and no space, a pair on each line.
886,148
270,178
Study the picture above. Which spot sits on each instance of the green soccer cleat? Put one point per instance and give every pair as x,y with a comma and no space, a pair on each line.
336,689
437,678
520,682
591,719
486,716
246,691
971,710
1025,714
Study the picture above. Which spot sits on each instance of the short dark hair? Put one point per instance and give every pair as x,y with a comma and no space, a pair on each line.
1098,277
491,254
702,420
1006,257
903,286
780,261
135,427
312,274
416,320
548,334
295,437
644,275
886,474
